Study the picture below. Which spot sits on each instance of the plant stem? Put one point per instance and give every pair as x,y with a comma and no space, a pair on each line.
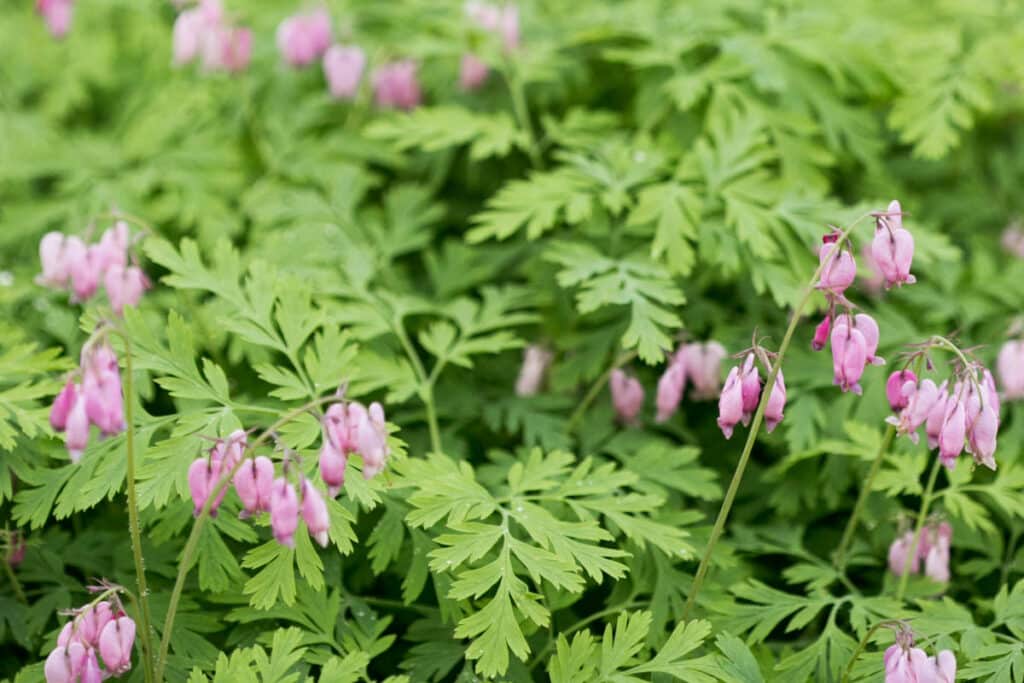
522,112
133,509
193,539
926,501
851,524
755,426
860,648
426,386
595,389
18,592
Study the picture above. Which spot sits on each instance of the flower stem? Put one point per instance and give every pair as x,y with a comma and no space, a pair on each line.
133,510
595,389
15,584
522,112
926,502
755,426
860,647
192,543
851,524
426,390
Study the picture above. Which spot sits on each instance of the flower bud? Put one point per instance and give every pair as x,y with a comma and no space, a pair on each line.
730,403
849,355
627,395
395,85
670,388
371,436
934,550
115,645
314,512
199,484
750,380
900,559
125,286
84,269
869,328
284,512
703,364
1010,366
898,400
332,468
839,269
76,432
303,38
982,437
54,259
112,249
62,405
821,333
56,15
893,248
954,428
253,481
58,666
937,415
472,72
343,69
776,403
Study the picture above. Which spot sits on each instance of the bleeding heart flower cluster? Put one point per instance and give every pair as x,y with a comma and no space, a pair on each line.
699,363
500,21
204,32
1010,366
69,263
100,627
742,393
352,428
95,399
960,414
56,15
933,547
536,360
907,664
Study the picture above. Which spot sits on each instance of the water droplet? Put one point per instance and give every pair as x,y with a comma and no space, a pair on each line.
519,508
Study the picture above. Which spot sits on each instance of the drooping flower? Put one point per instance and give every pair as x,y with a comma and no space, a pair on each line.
115,645
869,328
343,68
125,286
112,249
670,388
900,559
1010,366
370,436
227,48
944,665
821,333
627,395
253,481
894,389
395,85
773,412
730,403
473,72
750,380
953,432
703,363
502,21
54,257
56,15
893,247
981,436
304,38
314,513
284,512
839,268
536,360
937,415
849,355
57,668
193,27
62,405
101,389
934,548
76,432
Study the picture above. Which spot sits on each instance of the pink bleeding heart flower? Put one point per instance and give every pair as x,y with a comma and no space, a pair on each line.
934,549
395,85
981,437
284,512
227,453
101,390
253,482
84,266
508,27
76,429
849,355
839,269
125,286
193,28
821,333
371,436
473,72
227,48
1009,365
750,381
115,645
56,15
941,667
703,362
112,249
57,668
343,68
89,671
304,38
54,258
199,484
869,328
332,467
627,396
937,415
536,360
314,512
900,559
893,247
898,400
670,388
953,432
776,403
730,403
62,405
988,388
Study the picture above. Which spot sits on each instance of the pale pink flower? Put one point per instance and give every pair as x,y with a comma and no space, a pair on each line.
934,548
898,399
57,668
343,68
314,512
508,27
56,15
227,48
776,403
953,432
869,328
85,269
112,249
253,482
703,363
76,432
284,512
201,480
503,21
395,85
627,395
193,28
839,269
937,415
1010,366
900,559
670,388
981,437
849,355
115,645
101,389
893,247
62,405
730,403
125,286
472,72
304,38
750,381
370,435
536,360
54,257
871,275
944,669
